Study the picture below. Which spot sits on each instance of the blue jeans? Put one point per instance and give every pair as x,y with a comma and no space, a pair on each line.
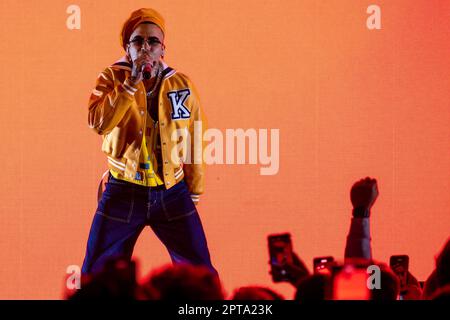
126,208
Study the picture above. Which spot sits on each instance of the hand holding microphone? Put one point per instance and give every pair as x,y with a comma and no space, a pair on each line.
142,67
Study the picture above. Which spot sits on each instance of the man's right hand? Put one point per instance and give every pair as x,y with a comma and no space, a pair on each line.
363,195
138,65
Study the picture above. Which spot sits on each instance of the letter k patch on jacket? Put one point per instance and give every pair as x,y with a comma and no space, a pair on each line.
177,99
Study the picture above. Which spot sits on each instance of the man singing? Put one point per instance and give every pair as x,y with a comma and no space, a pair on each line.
144,111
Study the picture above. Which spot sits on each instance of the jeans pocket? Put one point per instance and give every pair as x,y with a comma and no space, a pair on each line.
177,203
117,203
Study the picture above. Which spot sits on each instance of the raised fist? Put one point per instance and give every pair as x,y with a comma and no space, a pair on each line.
363,195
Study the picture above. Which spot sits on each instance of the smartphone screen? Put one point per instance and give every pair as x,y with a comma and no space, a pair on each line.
323,264
280,252
400,265
350,283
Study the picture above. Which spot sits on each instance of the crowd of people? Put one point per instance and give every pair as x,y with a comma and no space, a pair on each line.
179,282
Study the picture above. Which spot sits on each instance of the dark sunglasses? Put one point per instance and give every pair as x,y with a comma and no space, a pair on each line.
151,41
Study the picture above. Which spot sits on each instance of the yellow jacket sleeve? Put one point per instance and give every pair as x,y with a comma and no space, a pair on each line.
109,102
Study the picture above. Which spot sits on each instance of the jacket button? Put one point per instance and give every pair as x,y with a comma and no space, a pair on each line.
142,112
162,124
167,174
168,183
140,132
164,143
166,162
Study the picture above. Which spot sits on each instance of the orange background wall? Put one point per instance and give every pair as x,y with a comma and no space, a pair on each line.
349,103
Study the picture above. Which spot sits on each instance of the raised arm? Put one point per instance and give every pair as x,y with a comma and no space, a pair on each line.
363,195
109,102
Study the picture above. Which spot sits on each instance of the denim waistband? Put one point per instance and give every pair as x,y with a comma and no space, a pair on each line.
127,184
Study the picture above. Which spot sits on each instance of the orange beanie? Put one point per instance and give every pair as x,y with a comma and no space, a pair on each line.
138,17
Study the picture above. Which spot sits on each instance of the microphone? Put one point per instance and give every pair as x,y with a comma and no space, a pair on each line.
147,71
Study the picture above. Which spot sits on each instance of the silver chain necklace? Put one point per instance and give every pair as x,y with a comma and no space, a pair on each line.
151,92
